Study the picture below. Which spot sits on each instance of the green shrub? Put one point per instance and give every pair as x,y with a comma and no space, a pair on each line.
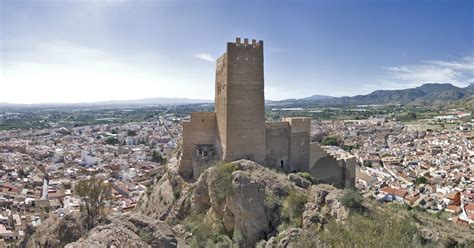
201,231
204,236
308,177
421,180
329,141
293,207
176,194
111,141
221,179
352,200
145,235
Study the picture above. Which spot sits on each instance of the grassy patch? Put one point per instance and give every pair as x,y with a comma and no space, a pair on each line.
352,199
145,235
293,207
308,177
221,179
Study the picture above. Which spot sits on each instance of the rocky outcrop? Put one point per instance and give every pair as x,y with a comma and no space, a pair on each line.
291,238
299,181
242,197
160,234
247,207
130,230
111,235
57,232
323,205
168,199
234,201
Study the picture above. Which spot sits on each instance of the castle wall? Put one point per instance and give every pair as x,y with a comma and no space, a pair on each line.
325,167
221,104
278,135
350,172
244,114
300,142
201,129
338,169
237,129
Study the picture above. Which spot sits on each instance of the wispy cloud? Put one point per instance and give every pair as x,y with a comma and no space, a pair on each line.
205,56
459,72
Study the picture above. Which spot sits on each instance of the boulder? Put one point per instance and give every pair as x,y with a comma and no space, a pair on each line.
248,207
324,204
111,235
57,232
299,181
161,234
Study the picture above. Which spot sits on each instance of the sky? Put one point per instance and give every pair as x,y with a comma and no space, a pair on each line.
69,51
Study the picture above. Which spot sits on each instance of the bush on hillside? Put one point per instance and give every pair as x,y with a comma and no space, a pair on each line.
352,200
293,207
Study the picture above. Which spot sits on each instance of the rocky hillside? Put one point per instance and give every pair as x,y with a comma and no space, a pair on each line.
241,202
244,204
131,230
430,93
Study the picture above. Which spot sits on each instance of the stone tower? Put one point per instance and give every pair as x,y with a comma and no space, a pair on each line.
239,102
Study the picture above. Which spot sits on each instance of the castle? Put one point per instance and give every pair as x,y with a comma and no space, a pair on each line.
237,129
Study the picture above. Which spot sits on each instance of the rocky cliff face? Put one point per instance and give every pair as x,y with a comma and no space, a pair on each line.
131,230
242,197
57,232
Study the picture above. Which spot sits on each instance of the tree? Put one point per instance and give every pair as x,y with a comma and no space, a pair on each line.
22,173
352,200
94,194
112,141
329,141
156,157
421,180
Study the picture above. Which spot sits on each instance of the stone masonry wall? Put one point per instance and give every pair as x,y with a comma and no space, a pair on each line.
278,135
300,140
244,111
201,129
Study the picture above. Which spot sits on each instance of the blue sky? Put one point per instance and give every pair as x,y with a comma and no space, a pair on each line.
82,51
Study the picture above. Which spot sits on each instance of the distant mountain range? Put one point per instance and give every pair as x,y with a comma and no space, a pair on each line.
138,102
430,93
154,101
310,98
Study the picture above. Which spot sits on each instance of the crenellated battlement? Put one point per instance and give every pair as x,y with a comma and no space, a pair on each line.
245,43
299,124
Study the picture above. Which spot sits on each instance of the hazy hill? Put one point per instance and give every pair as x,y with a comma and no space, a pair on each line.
154,101
137,102
424,94
470,87
430,93
310,98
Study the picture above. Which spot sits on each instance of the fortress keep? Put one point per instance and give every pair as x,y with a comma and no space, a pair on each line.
237,128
